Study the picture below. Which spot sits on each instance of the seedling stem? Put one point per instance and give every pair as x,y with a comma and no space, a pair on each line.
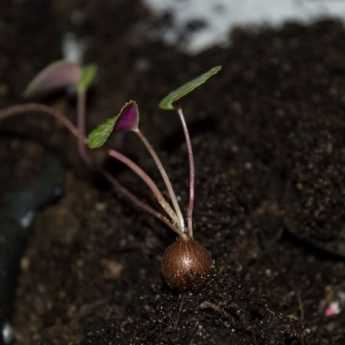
81,105
140,204
191,183
165,178
148,181
41,108
185,263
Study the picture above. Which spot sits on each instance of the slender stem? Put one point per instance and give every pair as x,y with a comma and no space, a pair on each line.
191,183
81,105
165,178
40,108
148,181
59,116
139,203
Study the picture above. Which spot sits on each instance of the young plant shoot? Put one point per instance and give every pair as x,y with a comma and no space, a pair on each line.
64,74
185,263
59,75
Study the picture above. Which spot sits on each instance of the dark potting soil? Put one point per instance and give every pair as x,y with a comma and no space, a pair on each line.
268,134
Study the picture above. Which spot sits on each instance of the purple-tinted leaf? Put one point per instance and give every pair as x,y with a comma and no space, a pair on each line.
57,75
128,118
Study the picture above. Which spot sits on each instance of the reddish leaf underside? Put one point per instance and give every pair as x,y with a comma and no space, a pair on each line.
57,75
128,118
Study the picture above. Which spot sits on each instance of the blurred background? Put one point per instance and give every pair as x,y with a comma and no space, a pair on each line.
208,22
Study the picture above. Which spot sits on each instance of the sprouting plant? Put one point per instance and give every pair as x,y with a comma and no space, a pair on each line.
185,263
66,74
59,75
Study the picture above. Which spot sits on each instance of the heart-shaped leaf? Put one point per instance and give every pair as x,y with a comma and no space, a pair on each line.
126,120
101,133
55,76
167,102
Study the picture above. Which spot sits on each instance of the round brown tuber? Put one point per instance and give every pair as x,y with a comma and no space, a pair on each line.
185,264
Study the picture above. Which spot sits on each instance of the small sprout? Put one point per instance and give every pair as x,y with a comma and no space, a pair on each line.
167,102
66,74
185,263
57,75
126,120
87,77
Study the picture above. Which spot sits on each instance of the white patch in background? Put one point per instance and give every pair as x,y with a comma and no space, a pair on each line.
73,48
27,219
222,15
7,334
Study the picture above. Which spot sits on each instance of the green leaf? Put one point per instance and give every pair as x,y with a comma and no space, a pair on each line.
167,102
87,77
100,134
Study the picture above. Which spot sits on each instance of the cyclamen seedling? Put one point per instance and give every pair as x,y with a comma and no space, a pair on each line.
59,75
185,263
66,74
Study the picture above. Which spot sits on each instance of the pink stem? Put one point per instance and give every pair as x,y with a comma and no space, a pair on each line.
139,203
40,108
81,105
147,179
190,207
165,178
